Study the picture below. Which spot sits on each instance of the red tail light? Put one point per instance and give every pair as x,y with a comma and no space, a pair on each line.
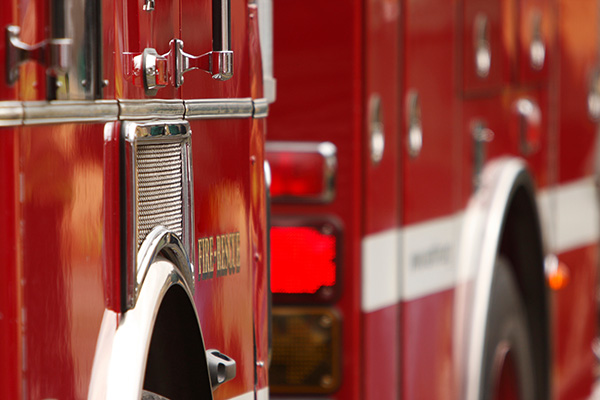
303,260
302,172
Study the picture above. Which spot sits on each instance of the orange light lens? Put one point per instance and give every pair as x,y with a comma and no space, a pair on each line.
559,278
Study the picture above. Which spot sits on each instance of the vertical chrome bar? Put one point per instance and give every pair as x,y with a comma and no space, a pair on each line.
222,55
79,77
221,25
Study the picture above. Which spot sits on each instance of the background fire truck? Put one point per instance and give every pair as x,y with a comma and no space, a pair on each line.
435,221
132,201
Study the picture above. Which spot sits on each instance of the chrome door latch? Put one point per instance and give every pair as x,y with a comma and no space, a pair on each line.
217,63
157,71
53,53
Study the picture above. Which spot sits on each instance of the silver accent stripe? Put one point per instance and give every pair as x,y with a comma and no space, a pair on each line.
15,113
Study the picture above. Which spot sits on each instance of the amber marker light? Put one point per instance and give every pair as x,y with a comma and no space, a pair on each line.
557,273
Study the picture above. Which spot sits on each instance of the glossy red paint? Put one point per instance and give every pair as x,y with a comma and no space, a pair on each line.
575,325
61,266
61,219
319,75
426,50
10,301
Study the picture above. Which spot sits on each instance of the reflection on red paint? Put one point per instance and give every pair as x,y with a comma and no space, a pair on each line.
303,260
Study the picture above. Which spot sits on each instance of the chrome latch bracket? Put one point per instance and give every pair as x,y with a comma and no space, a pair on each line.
53,53
217,63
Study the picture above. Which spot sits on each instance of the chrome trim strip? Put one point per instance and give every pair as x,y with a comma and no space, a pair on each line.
53,112
135,110
16,113
158,240
11,113
218,108
261,108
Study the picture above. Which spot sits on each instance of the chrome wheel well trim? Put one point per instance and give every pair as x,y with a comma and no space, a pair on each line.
161,241
124,340
480,240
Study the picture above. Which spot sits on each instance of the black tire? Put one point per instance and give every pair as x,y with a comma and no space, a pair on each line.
507,337
146,395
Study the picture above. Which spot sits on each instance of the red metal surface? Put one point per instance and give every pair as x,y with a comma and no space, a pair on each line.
427,48
61,221
222,206
61,287
319,76
10,298
575,325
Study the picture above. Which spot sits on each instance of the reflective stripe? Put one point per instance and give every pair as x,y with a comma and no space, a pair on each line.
380,259
428,251
262,394
576,218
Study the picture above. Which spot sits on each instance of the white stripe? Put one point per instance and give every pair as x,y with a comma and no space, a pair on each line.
570,215
262,394
405,264
380,261
429,256
421,259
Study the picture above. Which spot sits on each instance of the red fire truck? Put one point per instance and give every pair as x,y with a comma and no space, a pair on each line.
435,220
133,200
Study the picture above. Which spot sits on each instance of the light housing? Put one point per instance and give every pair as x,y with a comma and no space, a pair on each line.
306,351
302,172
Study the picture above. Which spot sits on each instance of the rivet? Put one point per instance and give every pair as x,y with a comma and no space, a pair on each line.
325,321
326,381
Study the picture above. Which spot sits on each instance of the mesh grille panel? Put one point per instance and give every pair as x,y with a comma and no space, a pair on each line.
159,185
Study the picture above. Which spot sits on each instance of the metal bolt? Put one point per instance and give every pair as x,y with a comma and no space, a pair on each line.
327,229
325,321
326,381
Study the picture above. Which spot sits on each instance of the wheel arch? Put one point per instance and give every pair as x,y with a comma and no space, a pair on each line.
499,216
161,330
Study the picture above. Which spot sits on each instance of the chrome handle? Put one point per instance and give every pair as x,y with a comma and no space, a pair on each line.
483,50
537,48
53,53
220,367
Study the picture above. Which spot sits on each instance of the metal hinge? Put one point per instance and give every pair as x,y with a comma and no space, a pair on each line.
53,53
